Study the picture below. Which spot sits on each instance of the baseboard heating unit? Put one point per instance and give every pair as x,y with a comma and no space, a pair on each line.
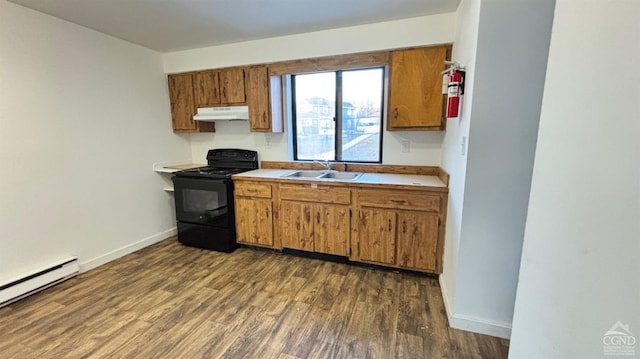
37,281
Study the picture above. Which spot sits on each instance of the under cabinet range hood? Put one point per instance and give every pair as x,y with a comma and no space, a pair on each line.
231,113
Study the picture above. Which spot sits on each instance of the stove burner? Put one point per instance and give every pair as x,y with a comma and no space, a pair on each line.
222,163
214,172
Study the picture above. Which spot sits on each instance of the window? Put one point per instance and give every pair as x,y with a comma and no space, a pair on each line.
322,132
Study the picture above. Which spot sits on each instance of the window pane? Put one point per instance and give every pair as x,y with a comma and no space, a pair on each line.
361,115
315,109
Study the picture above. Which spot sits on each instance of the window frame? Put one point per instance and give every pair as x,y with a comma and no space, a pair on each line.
337,115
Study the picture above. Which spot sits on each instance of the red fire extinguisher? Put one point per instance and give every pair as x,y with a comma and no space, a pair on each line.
454,91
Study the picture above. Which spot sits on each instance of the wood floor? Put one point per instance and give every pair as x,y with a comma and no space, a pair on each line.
172,301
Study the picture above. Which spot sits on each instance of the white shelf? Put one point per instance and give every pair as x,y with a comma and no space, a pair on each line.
171,167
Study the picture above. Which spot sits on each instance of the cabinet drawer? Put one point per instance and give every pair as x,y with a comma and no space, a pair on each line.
252,189
319,193
414,200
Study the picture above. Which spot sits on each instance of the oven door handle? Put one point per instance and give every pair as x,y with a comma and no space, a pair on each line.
212,213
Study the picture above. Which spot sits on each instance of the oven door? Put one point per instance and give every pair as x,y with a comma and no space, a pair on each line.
202,201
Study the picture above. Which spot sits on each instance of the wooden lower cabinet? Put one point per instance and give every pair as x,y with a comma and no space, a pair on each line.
322,228
254,221
331,230
254,213
417,240
376,236
399,228
406,239
315,217
296,226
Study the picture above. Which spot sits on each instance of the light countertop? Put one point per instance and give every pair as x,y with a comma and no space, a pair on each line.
175,167
366,179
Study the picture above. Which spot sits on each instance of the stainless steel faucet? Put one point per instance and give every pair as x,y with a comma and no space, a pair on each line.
326,164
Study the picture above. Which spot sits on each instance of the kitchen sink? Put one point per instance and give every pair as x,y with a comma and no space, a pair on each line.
324,175
341,175
305,174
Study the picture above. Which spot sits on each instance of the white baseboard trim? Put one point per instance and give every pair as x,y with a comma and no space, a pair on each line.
130,248
480,325
471,323
448,306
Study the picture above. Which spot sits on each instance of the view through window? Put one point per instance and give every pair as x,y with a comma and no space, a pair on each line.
352,134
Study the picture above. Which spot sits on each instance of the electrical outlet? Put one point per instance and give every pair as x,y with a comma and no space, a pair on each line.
267,141
406,146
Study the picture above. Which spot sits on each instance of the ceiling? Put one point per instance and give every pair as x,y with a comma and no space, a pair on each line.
170,25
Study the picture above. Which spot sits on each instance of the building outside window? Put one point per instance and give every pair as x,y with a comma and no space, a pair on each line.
354,133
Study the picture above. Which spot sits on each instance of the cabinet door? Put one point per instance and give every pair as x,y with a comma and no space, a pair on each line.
415,90
331,229
182,102
254,221
377,235
296,225
258,99
232,86
417,240
207,89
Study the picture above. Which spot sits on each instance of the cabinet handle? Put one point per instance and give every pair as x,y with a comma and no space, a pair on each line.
399,201
318,217
252,190
264,116
404,227
395,113
224,93
389,225
266,212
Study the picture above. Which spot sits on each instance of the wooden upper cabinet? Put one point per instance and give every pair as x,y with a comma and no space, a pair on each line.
415,89
183,105
264,98
232,86
207,88
415,99
258,99
220,87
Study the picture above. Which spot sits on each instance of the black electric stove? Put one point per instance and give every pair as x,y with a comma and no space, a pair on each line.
211,172
204,199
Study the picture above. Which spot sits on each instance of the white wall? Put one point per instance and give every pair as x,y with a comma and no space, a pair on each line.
426,148
424,30
454,161
579,272
508,77
83,116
